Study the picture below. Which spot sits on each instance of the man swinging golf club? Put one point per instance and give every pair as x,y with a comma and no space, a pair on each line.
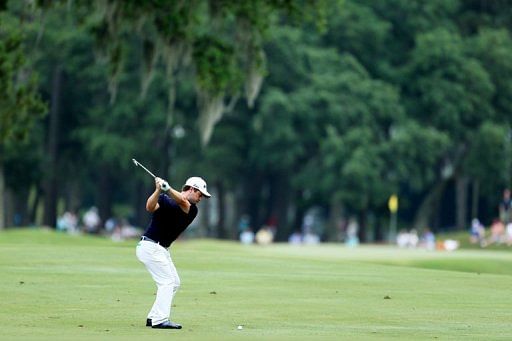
172,212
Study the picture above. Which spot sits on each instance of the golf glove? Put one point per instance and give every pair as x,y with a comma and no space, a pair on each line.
164,186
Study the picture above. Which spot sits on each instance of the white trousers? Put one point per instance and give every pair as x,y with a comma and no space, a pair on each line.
159,264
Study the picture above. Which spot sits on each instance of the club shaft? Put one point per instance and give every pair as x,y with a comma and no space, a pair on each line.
153,175
147,170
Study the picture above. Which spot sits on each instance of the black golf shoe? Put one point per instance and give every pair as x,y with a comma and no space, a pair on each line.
167,325
148,322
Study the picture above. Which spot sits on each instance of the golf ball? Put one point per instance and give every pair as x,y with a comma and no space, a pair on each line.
240,327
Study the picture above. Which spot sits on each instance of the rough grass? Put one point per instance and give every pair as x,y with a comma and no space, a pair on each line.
55,286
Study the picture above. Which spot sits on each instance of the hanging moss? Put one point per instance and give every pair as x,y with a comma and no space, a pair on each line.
211,108
99,31
254,77
149,59
217,74
251,55
171,101
116,62
220,39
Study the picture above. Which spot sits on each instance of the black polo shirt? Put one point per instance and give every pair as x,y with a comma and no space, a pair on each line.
169,221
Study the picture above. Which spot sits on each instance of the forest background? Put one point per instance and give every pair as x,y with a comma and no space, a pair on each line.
287,108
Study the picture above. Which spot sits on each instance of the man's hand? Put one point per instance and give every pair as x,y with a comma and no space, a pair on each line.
161,184
164,186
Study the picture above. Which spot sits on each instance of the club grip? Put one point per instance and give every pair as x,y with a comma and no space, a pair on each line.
165,186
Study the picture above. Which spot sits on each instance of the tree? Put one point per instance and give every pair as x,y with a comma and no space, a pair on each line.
490,149
452,92
222,40
488,164
401,96
354,163
20,102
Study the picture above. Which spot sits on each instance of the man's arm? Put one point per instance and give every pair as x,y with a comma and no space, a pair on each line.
152,202
182,202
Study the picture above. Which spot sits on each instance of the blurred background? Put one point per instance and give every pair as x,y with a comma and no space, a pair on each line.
338,121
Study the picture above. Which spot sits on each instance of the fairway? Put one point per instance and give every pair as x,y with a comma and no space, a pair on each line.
56,286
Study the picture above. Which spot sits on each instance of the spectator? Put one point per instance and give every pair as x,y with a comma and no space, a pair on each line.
497,232
508,234
91,220
413,238
264,236
402,239
244,223
111,225
406,239
295,238
477,235
450,245
352,233
428,240
272,225
247,236
505,208
68,222
310,238
126,230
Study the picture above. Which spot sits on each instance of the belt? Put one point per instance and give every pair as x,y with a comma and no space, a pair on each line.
151,240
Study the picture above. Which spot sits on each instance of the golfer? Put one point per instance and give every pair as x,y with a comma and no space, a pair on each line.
172,212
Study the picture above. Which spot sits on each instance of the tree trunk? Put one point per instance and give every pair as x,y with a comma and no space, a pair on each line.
22,207
333,232
475,197
71,196
9,208
426,212
231,208
379,231
105,200
2,194
222,230
50,183
279,200
461,199
252,200
297,212
34,205
363,215
204,220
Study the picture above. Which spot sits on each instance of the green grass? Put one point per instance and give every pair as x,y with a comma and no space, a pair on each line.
55,286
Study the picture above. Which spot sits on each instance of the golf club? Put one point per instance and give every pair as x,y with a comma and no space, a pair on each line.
137,163
165,186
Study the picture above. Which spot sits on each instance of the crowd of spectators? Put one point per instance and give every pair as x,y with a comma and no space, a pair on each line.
500,230
90,223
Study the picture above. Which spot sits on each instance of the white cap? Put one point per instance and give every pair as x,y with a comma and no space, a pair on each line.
198,183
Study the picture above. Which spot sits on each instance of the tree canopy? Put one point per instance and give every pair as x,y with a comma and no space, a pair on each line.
281,105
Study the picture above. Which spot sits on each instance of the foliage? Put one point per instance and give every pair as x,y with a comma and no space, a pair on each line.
491,47
453,90
20,102
489,156
221,39
399,96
